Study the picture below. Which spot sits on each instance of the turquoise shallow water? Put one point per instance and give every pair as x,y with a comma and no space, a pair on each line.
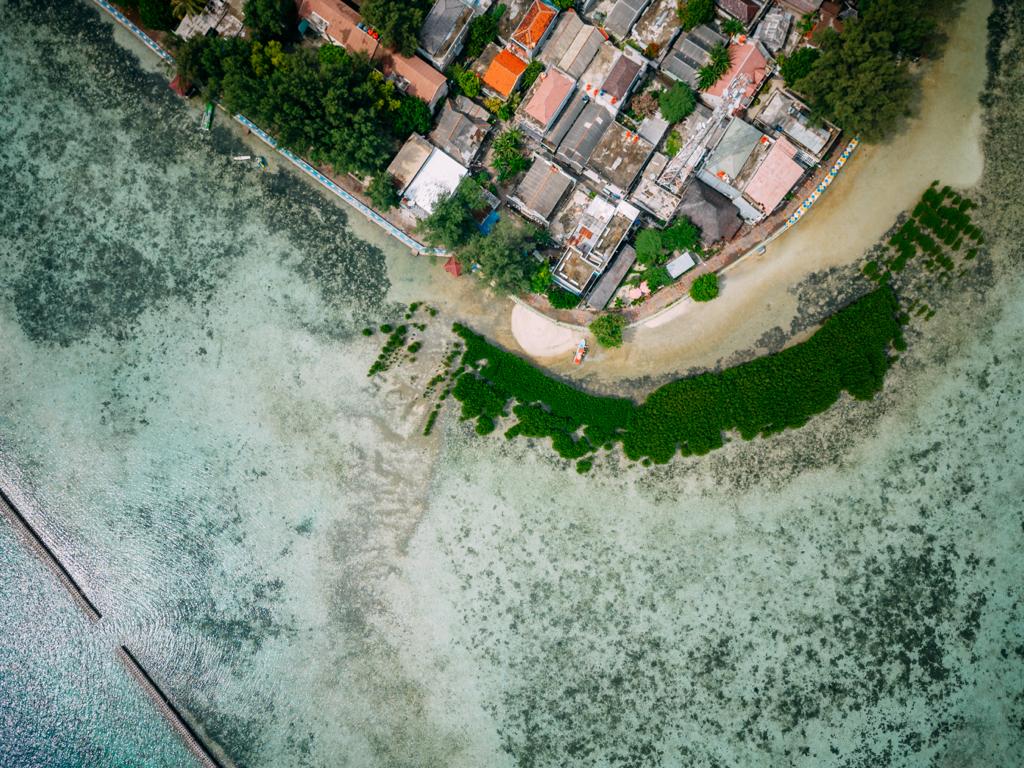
184,411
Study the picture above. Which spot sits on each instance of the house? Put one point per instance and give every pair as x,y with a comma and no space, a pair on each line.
596,73
504,73
623,76
565,121
681,264
774,29
583,137
341,25
803,6
546,100
711,211
424,175
744,10
623,16
650,195
444,31
534,28
572,45
594,243
618,158
691,52
733,162
610,281
784,115
744,77
217,18
513,15
828,18
458,134
777,174
657,28
541,190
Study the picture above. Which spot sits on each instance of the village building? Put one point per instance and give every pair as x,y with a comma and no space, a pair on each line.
568,213
218,18
444,30
513,15
691,52
424,175
681,264
744,10
459,134
802,7
623,15
594,243
711,211
777,174
576,149
503,74
733,162
618,158
545,102
610,281
534,28
543,187
784,115
748,72
572,46
565,121
341,25
773,30
657,28
600,67
650,195
828,18
623,76
654,128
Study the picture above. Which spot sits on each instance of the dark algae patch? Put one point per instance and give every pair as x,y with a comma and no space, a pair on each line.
849,353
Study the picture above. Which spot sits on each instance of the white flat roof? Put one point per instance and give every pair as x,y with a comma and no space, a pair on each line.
438,177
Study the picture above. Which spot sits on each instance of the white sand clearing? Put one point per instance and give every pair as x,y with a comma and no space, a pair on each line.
539,336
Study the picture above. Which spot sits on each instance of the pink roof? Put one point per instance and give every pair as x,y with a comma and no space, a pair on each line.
423,80
775,177
549,96
747,60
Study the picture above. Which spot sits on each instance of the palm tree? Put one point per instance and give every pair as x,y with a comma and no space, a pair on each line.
183,8
733,27
720,58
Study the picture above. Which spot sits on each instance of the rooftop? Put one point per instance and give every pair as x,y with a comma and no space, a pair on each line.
785,115
619,156
651,196
548,97
749,68
442,28
774,28
502,76
690,53
733,151
437,178
565,121
599,68
515,12
658,25
774,177
680,264
459,135
612,278
582,138
596,238
744,10
621,78
572,46
542,189
534,26
410,158
340,23
567,216
623,16
712,212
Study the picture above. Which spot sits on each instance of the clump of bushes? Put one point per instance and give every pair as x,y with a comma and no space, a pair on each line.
705,287
607,329
763,397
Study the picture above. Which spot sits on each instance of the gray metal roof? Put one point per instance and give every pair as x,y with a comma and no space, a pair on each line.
581,140
543,188
740,139
690,53
612,278
565,121
712,212
458,135
623,16
442,26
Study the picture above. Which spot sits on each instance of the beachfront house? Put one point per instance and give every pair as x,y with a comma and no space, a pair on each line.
424,175
593,244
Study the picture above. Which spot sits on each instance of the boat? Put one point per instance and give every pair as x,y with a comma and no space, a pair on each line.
207,120
581,352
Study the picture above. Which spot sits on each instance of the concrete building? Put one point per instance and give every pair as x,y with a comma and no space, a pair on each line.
784,115
582,138
594,242
650,195
425,175
623,15
748,71
618,158
657,28
691,52
773,29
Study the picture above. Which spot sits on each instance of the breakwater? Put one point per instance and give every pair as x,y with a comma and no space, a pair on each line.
171,713
48,556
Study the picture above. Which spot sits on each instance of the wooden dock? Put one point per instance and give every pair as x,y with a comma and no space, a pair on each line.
47,555
171,713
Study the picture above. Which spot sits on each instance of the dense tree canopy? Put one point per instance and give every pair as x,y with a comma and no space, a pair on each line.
157,14
324,103
677,102
271,19
693,13
397,21
453,222
861,80
798,64
506,255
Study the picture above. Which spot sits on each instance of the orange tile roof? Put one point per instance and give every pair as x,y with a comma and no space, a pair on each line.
504,73
534,24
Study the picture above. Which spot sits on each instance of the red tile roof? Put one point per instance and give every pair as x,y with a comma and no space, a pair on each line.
452,267
534,24
504,73
549,96
747,61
